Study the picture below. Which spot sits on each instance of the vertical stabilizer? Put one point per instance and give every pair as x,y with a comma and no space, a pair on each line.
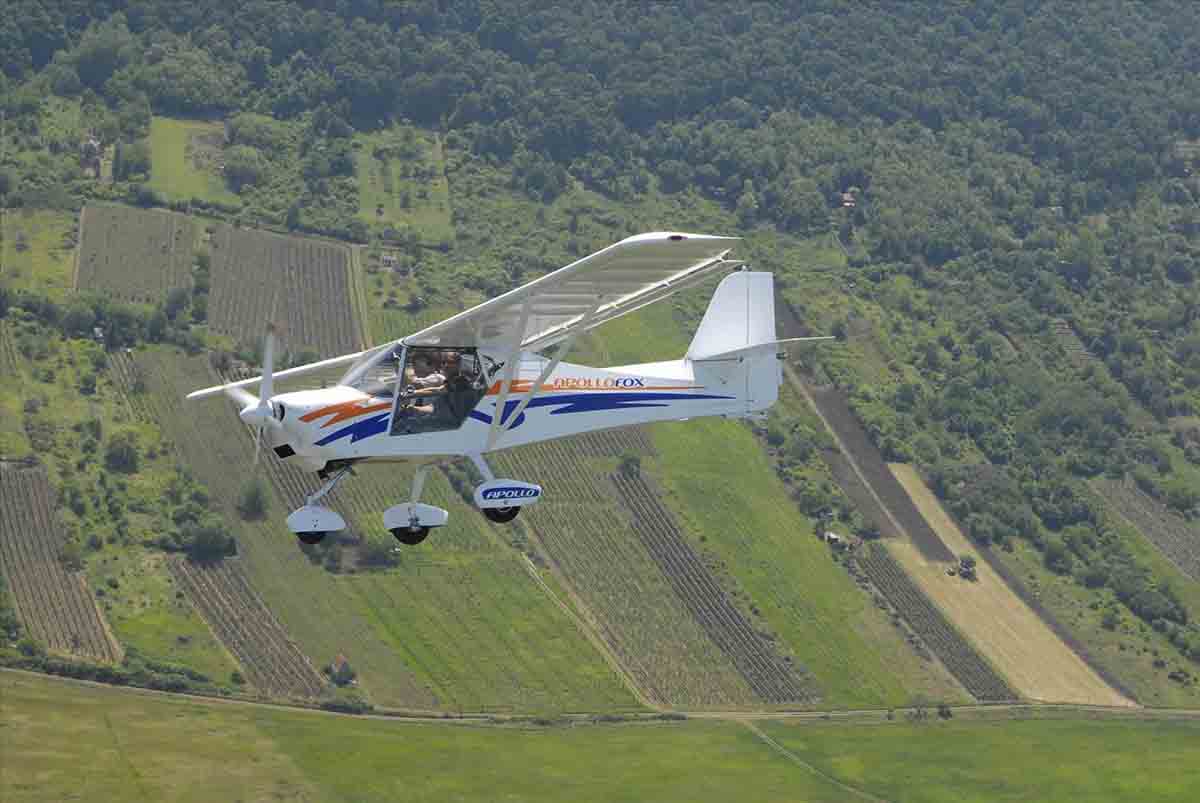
735,347
741,314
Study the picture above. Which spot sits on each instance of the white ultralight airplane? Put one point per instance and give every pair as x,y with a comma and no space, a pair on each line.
481,380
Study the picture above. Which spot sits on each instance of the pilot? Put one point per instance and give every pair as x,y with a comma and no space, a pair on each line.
423,379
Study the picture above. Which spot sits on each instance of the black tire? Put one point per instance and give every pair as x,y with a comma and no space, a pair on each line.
501,515
311,538
410,536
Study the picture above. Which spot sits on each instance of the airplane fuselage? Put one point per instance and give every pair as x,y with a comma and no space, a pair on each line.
345,423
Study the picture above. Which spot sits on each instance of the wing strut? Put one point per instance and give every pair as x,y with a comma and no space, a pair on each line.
511,364
549,369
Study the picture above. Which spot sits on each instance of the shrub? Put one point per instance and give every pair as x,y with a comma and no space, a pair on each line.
254,502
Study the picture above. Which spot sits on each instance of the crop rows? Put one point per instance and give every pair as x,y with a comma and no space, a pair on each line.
615,442
304,285
834,409
237,615
55,606
634,608
1172,534
954,651
771,676
471,622
311,606
135,254
127,378
629,591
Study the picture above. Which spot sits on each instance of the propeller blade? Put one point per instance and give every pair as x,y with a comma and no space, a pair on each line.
244,398
267,387
258,439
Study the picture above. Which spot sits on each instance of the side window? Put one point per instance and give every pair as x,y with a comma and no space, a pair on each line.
438,390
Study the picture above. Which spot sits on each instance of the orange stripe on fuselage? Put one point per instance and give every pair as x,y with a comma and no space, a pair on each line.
344,411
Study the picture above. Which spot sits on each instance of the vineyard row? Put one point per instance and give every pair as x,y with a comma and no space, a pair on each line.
241,621
55,606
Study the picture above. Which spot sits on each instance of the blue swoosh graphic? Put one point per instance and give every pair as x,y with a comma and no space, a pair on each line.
359,429
592,402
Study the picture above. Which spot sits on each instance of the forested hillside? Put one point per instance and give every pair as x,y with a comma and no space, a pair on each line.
1011,187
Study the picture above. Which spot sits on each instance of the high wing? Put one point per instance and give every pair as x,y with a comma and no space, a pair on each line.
610,283
617,280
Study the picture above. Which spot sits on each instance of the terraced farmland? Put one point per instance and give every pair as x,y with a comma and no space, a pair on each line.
54,605
302,284
137,255
272,662
636,596
834,409
958,656
1174,536
771,677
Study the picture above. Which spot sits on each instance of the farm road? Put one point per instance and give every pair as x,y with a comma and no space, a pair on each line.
865,716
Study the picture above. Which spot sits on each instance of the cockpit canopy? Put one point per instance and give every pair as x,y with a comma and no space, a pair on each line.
434,388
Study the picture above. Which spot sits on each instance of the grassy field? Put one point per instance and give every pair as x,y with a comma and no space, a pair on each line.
37,251
1085,761
147,615
184,158
1006,630
61,741
402,183
736,507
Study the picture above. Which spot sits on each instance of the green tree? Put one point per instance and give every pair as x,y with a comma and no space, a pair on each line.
244,167
122,454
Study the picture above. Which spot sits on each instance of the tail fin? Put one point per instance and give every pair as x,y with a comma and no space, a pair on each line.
741,314
736,346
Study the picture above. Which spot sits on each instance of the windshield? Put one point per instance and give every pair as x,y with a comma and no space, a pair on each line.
375,373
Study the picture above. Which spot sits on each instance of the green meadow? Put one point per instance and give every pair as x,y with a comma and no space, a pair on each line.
182,165
65,741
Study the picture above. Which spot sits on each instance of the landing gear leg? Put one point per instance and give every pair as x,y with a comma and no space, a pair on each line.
410,523
312,522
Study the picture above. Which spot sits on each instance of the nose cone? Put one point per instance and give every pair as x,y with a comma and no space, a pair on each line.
256,415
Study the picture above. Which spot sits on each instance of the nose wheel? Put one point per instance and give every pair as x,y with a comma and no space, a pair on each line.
410,536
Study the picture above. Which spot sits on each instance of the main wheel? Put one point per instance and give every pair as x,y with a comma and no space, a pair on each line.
501,515
410,536
313,537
